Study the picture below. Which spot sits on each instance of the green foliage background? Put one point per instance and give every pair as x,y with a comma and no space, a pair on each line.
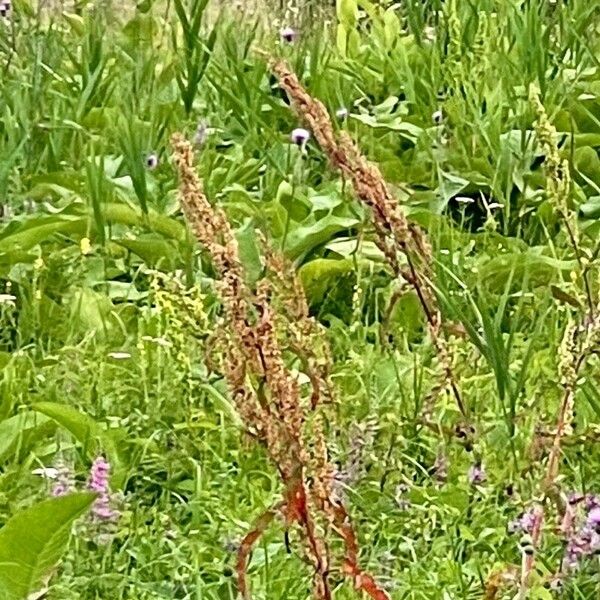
99,353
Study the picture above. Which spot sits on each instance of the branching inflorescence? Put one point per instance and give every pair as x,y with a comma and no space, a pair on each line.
404,244
267,394
582,334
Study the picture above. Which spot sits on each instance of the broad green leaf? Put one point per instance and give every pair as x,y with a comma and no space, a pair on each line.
408,130
26,234
341,39
347,12
449,186
249,251
90,311
320,275
540,268
17,430
591,208
392,26
82,426
154,250
33,540
308,236
88,432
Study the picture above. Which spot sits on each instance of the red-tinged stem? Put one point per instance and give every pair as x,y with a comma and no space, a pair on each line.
248,543
297,499
362,581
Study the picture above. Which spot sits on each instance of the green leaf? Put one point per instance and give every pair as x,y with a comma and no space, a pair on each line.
249,251
347,13
25,235
341,39
15,430
407,130
152,249
320,275
89,433
90,311
82,426
308,236
33,540
540,268
591,208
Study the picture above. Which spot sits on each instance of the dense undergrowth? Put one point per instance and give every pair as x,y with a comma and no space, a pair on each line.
484,119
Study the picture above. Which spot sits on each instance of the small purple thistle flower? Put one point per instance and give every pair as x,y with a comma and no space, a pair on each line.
342,113
5,7
98,482
201,133
477,474
300,136
288,35
152,161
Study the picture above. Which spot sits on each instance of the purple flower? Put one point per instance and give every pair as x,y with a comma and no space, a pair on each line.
476,474
300,136
288,35
64,483
98,482
342,113
593,519
152,161
5,6
201,133
440,468
524,523
591,501
585,540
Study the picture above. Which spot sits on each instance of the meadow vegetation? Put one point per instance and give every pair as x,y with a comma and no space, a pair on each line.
299,300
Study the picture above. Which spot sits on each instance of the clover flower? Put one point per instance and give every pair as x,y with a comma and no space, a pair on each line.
300,136
288,35
342,113
64,482
152,161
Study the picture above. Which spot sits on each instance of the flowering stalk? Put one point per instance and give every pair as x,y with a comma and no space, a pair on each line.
98,482
395,235
580,339
267,395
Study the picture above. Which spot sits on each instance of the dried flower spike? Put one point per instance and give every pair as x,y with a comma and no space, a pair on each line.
276,414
